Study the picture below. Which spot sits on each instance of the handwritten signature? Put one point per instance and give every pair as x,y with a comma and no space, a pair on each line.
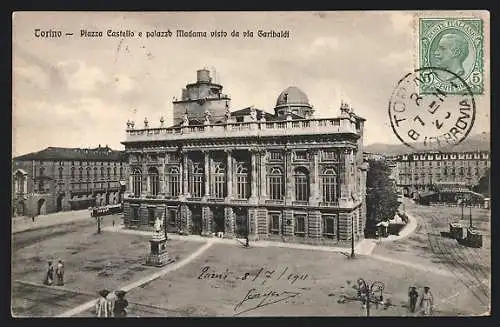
262,298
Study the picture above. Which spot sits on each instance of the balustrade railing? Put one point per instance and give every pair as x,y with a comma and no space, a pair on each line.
326,125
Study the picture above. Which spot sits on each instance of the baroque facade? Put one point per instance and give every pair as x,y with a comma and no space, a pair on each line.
60,179
417,172
279,176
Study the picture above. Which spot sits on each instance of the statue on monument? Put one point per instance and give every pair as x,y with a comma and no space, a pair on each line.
158,227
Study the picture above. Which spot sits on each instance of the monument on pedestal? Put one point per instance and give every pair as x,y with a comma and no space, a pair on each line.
158,255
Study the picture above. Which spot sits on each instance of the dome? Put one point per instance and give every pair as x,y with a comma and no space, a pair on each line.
294,96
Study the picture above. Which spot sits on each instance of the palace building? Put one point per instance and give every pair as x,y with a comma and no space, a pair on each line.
419,172
60,179
284,175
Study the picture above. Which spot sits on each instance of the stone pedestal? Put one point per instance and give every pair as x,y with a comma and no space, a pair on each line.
158,256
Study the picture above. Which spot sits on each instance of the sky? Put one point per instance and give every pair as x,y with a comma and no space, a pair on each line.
74,91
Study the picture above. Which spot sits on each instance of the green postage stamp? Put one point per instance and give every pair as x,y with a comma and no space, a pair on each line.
455,45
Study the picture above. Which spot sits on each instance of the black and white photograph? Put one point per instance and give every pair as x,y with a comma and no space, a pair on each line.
250,164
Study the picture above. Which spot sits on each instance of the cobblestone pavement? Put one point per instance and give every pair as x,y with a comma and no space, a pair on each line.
23,223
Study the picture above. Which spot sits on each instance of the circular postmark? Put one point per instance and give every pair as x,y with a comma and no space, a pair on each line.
434,120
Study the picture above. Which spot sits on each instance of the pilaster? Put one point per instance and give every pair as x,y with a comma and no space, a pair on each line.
207,174
206,221
185,174
229,180
253,188
262,171
314,180
314,224
229,221
289,188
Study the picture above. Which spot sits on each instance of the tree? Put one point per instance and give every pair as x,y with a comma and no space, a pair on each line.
483,185
381,198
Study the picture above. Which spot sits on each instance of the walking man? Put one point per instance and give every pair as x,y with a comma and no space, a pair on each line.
427,302
60,273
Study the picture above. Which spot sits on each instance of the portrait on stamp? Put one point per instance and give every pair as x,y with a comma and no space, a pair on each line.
456,46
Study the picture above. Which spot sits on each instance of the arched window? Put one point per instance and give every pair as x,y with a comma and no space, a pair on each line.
197,181
154,181
72,172
276,184
88,173
95,172
241,181
136,182
42,170
102,172
80,173
121,172
173,181
329,179
219,182
61,172
301,184
114,172
109,172
461,171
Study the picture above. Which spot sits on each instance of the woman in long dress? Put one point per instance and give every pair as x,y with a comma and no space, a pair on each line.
101,306
111,298
426,302
49,278
120,305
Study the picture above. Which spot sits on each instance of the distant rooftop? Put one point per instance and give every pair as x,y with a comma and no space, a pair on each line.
59,154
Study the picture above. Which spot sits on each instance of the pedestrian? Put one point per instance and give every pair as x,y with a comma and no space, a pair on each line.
60,273
33,218
120,305
49,278
427,302
113,222
412,298
111,298
246,241
101,306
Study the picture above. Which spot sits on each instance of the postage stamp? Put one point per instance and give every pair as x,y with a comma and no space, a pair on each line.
455,45
433,121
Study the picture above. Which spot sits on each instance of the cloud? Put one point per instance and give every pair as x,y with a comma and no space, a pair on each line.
123,83
81,77
33,75
402,22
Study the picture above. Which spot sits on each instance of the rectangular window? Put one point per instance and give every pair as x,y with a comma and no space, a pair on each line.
300,225
329,155
151,216
329,225
276,156
301,155
135,214
171,217
274,223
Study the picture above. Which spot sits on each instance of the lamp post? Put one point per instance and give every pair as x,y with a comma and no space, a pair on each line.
352,236
470,212
368,292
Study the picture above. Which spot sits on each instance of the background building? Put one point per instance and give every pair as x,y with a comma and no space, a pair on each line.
281,175
56,179
423,171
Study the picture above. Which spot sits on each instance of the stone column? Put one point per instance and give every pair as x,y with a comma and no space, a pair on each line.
145,184
207,174
185,174
344,186
130,183
314,179
289,189
161,178
253,188
229,175
263,179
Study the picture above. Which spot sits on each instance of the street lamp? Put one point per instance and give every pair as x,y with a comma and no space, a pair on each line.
368,293
352,236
